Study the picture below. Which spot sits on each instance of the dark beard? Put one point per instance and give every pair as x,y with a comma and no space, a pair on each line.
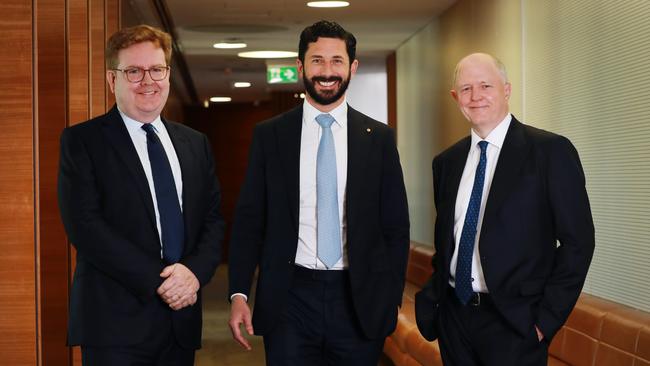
327,97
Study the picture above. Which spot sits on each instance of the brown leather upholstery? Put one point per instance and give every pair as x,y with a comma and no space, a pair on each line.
598,332
406,347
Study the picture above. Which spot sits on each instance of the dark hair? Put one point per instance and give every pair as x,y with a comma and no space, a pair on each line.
127,37
326,29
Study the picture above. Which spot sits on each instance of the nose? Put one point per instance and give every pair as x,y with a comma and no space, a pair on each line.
475,94
147,77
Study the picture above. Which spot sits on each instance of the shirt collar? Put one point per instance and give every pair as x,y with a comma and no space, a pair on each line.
133,125
498,134
340,113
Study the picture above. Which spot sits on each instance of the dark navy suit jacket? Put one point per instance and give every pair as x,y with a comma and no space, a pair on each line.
537,198
265,231
108,213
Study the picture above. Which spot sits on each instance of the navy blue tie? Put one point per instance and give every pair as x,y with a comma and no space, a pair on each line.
169,209
463,277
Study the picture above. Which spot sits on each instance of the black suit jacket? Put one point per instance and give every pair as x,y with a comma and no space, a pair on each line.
108,213
265,231
536,199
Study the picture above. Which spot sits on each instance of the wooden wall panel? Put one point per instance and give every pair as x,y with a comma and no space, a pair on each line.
78,41
391,86
52,245
78,65
18,343
97,43
112,22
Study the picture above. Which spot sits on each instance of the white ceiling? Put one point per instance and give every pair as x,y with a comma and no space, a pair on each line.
380,26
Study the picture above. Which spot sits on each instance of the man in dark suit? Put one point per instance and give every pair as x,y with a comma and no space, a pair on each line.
323,213
504,197
140,202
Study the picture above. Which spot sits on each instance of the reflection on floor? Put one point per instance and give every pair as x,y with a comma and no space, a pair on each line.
219,349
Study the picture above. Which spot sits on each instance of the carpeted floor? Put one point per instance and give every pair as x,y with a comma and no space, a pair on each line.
219,349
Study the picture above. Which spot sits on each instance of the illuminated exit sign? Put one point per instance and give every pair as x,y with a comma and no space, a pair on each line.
282,74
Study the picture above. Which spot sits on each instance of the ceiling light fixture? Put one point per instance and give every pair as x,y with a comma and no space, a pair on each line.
268,54
220,99
242,84
328,4
229,45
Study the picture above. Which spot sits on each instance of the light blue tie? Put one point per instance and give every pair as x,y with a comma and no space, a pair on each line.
463,276
327,204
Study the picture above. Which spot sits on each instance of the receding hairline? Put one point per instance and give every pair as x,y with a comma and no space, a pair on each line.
501,68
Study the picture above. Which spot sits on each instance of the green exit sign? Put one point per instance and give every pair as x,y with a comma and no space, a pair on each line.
282,74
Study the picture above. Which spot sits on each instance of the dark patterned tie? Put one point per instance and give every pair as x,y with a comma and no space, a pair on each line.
169,209
467,238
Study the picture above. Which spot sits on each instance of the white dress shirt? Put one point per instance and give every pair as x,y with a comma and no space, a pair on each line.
495,143
139,138
306,255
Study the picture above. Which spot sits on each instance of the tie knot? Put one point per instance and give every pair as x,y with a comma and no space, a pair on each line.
483,145
148,127
325,120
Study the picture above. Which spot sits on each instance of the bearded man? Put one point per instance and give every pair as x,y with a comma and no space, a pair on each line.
323,214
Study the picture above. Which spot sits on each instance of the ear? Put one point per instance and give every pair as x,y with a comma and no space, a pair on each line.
300,68
110,79
507,89
353,68
454,94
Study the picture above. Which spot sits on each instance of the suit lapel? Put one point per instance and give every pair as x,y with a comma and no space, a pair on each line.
185,159
288,136
508,169
117,134
457,160
359,143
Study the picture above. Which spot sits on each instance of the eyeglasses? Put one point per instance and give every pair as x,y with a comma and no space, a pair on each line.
136,74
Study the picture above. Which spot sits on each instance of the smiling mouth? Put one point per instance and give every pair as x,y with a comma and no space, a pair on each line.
326,84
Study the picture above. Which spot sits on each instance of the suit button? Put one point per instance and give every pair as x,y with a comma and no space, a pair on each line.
290,261
472,279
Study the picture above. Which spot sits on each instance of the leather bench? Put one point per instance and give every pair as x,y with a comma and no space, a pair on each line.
598,331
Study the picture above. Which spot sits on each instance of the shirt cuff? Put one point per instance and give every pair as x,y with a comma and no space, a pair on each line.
239,294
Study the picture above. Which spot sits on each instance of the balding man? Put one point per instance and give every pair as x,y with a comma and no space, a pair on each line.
514,235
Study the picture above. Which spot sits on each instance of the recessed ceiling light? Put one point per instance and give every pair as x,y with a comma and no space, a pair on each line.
229,45
328,4
220,99
242,84
268,54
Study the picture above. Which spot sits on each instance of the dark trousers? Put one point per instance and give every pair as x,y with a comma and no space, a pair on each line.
477,334
319,326
159,349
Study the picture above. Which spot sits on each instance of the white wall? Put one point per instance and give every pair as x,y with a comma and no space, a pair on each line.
417,121
367,92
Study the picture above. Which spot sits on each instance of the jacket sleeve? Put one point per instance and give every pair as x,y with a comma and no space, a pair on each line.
203,260
574,229
249,221
395,224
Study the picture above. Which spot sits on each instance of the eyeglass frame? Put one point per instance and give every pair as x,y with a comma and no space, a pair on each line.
144,72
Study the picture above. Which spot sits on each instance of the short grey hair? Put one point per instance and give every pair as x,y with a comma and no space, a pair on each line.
499,65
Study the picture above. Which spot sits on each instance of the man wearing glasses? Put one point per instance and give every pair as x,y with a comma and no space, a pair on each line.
140,202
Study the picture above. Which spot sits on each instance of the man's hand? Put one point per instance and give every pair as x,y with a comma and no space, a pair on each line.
180,287
240,313
540,335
